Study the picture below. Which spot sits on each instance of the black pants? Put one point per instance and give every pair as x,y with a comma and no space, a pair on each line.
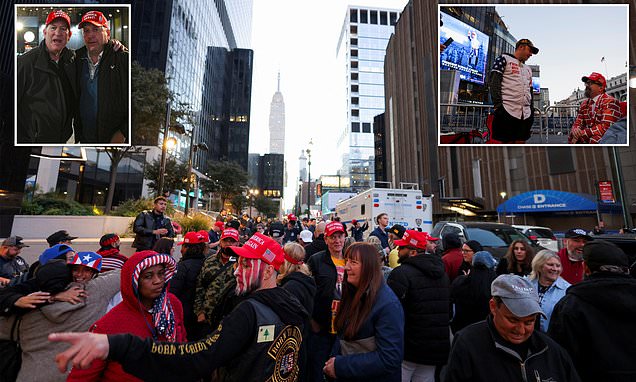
506,128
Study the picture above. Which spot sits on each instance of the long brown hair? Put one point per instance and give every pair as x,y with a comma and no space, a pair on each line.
513,264
357,302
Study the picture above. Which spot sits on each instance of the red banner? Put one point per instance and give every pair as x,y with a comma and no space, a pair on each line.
605,192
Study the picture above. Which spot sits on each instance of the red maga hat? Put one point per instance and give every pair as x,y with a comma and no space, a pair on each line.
261,247
412,238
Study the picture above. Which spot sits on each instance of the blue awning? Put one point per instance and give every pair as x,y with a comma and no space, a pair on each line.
551,201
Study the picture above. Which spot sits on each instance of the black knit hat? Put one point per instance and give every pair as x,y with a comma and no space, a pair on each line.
601,255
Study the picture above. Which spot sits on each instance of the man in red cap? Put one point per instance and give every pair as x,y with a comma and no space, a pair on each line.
46,85
258,341
596,113
422,286
103,84
327,268
511,91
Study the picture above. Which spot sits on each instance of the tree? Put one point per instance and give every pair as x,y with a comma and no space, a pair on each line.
175,177
116,154
266,206
239,202
227,179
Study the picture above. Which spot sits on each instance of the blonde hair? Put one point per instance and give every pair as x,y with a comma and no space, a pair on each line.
296,252
539,260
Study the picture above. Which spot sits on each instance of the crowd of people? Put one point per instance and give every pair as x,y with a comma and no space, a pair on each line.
311,301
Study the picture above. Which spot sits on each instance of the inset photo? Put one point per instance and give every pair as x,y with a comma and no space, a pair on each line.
525,74
72,77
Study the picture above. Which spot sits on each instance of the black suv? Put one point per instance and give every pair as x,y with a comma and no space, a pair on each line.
494,237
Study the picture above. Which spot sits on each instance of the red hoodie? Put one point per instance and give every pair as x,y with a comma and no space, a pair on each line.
129,316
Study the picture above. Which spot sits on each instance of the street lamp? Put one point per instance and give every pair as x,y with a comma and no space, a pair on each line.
168,143
193,148
253,194
503,196
308,150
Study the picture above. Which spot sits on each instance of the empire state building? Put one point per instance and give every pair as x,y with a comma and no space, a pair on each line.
277,123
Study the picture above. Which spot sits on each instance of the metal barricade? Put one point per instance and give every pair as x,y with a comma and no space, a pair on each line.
558,121
463,118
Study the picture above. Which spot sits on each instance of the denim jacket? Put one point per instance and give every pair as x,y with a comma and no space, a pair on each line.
555,293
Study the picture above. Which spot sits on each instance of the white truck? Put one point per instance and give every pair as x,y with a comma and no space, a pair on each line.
408,208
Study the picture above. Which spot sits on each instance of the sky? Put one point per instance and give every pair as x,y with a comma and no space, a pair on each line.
299,38
571,41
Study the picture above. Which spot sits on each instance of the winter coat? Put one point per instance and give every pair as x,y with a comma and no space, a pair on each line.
382,235
453,260
38,353
470,296
183,286
385,324
325,275
129,316
144,225
595,323
46,96
422,287
480,354
317,245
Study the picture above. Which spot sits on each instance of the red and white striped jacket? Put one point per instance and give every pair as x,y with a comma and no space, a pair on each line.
594,124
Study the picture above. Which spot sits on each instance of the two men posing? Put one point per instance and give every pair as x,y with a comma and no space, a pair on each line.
61,91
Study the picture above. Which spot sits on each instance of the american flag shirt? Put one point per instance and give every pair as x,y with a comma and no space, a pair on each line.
516,85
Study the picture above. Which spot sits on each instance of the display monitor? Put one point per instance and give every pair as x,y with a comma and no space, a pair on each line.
468,51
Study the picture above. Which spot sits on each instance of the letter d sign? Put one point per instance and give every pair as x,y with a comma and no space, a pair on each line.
539,198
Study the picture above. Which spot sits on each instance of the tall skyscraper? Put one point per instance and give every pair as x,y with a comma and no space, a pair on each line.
277,122
363,40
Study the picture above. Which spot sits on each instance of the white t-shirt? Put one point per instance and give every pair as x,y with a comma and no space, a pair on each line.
516,85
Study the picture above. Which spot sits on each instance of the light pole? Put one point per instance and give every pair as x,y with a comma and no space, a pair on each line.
193,148
164,149
503,197
308,150
253,193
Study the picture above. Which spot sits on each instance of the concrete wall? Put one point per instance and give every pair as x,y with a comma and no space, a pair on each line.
41,226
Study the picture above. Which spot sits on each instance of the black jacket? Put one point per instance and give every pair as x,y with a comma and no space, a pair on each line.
317,245
357,232
231,345
144,225
470,296
325,275
112,96
595,323
183,285
422,286
47,96
480,354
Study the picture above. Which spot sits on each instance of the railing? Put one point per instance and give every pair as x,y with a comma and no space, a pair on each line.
558,120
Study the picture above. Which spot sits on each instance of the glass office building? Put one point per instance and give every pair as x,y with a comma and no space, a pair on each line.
361,49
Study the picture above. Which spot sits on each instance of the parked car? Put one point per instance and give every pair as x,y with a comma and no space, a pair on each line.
494,237
626,242
542,235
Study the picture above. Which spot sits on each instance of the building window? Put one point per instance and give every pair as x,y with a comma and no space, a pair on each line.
354,64
383,18
354,42
354,88
355,100
355,127
355,113
354,76
393,18
353,16
374,17
354,52
366,127
353,29
364,16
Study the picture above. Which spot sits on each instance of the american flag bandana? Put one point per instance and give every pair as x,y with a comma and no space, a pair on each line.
162,313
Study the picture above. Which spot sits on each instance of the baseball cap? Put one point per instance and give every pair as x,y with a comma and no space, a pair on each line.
525,41
58,14
577,232
518,294
14,241
193,238
230,233
430,238
291,217
261,247
205,235
219,224
354,221
88,259
94,17
306,236
605,256
57,251
595,77
412,238
276,229
333,227
58,236
398,230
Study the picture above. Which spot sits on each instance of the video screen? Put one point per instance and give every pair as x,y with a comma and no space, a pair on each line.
468,53
536,85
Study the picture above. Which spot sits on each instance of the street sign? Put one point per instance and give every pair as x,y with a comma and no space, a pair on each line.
605,192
